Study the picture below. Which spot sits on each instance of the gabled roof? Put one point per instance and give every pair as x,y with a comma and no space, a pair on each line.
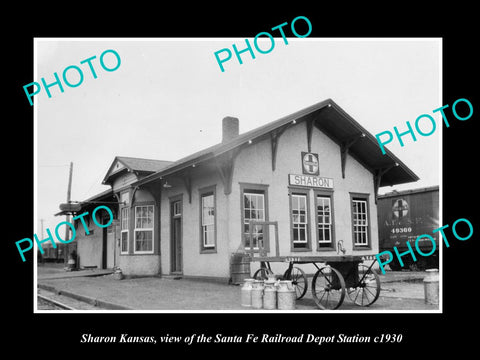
123,163
329,118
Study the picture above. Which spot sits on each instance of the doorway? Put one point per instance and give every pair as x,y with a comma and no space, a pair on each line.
108,244
176,255
104,247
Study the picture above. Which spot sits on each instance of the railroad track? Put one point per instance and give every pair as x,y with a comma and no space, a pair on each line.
49,300
51,303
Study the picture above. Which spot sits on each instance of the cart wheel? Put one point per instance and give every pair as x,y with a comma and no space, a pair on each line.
328,288
299,281
368,289
262,274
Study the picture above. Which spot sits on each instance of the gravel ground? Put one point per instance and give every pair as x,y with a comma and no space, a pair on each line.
44,305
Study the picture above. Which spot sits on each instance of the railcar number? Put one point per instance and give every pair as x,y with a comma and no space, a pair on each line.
401,230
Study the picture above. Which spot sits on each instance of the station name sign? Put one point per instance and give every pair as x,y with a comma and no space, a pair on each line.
311,181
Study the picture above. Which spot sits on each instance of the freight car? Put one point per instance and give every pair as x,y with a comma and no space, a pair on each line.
402,217
57,255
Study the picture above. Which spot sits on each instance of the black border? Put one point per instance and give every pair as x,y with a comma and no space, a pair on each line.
423,333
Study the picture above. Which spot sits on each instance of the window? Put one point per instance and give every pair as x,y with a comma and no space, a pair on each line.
360,222
144,229
299,219
254,206
176,211
125,212
324,221
207,221
253,209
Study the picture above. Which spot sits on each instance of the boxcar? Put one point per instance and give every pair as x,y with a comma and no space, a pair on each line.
405,215
56,255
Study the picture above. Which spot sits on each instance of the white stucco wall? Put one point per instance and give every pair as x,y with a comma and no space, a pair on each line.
196,263
253,165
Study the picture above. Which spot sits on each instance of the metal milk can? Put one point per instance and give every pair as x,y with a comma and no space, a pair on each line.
270,295
286,295
431,286
257,294
246,292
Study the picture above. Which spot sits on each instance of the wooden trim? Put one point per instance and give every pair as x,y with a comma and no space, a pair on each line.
329,194
252,251
345,147
366,197
171,200
300,191
132,194
187,180
260,188
377,179
157,196
212,189
154,248
310,122
127,230
274,140
225,165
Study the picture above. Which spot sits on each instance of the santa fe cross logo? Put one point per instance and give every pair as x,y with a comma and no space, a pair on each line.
400,208
310,163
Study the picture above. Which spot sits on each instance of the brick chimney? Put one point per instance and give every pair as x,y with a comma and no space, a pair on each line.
230,128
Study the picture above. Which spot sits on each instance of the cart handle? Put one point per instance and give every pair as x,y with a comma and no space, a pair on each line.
250,235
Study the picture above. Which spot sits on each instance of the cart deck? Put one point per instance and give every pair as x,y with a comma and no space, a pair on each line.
308,259
340,274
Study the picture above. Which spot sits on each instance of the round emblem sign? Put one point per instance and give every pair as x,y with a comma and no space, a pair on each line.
400,208
310,163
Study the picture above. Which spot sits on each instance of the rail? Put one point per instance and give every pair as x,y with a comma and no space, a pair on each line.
55,302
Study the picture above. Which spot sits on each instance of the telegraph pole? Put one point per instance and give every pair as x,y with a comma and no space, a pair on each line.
41,222
41,228
67,232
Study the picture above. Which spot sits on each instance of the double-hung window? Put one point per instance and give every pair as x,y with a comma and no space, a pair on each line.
254,202
253,209
125,212
143,233
299,219
360,220
324,221
207,220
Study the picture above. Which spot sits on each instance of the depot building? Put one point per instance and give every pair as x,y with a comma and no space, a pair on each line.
315,172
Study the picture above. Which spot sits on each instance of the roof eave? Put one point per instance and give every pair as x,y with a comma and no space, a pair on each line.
262,131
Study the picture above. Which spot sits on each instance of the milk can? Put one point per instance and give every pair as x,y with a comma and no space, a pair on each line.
246,292
431,286
286,295
257,294
270,295
118,274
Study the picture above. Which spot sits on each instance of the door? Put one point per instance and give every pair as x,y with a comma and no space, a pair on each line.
176,237
110,247
104,248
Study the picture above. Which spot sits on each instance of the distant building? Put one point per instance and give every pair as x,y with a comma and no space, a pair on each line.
316,172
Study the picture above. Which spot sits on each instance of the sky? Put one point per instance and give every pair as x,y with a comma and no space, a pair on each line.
168,97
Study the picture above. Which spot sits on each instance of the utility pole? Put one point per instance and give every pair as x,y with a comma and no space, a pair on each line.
67,229
41,228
